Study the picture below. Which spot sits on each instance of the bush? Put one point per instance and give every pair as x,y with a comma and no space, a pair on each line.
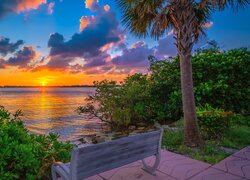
166,88
222,79
124,105
24,155
172,139
238,120
214,123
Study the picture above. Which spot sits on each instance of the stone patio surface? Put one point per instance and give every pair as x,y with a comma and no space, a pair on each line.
177,167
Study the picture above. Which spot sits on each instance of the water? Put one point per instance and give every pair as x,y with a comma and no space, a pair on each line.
52,110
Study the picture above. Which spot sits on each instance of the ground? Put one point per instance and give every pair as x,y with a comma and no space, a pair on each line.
178,167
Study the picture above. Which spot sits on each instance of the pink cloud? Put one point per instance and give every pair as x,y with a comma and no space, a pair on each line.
107,7
138,44
208,24
50,8
171,32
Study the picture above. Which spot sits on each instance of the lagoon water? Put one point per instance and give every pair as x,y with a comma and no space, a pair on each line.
52,109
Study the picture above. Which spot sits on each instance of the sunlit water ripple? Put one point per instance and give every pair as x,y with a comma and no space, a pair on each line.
52,110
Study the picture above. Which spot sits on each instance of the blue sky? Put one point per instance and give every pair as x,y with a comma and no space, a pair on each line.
34,23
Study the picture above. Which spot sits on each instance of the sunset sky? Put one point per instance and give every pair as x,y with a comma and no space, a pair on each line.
74,42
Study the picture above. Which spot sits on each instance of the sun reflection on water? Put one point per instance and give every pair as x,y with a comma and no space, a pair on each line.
51,110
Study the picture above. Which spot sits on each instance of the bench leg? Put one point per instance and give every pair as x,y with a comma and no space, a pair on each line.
58,170
152,169
53,173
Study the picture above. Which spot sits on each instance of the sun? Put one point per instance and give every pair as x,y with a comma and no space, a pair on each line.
43,84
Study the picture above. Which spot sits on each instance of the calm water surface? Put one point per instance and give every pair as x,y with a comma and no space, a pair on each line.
51,110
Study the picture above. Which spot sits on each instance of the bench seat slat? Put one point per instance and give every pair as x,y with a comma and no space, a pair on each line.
112,166
129,139
109,159
117,148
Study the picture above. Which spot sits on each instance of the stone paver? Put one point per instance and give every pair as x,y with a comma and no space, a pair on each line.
235,165
177,167
215,174
97,177
94,178
132,173
180,167
109,174
244,153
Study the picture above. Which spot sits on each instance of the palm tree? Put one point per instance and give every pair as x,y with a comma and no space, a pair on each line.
187,18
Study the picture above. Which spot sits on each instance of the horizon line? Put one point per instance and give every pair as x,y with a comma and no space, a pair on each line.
16,86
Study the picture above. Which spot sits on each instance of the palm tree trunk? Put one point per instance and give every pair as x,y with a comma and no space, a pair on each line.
184,43
192,135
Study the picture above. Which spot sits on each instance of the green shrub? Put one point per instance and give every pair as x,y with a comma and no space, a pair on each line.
220,79
172,139
27,156
238,120
165,79
124,105
213,122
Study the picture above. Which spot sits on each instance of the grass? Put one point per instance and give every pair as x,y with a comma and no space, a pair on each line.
213,151
237,137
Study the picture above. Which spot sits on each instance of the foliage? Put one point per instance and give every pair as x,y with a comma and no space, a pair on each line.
171,139
209,152
24,155
238,120
137,100
220,79
213,122
124,105
237,137
165,78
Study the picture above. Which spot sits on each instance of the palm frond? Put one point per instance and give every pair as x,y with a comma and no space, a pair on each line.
140,17
155,17
222,4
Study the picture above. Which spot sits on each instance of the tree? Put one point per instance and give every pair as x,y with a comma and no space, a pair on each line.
187,19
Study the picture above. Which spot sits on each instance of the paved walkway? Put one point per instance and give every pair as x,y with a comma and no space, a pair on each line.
177,167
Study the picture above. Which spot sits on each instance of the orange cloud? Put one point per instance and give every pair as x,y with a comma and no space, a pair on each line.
85,21
90,3
106,7
26,5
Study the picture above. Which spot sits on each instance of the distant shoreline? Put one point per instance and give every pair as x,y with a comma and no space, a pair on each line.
74,86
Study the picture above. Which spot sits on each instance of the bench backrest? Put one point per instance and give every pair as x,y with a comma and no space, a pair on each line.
91,160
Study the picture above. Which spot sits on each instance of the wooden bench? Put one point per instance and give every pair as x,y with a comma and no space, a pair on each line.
94,159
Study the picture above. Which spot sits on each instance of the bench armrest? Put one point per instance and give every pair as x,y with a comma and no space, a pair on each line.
60,169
